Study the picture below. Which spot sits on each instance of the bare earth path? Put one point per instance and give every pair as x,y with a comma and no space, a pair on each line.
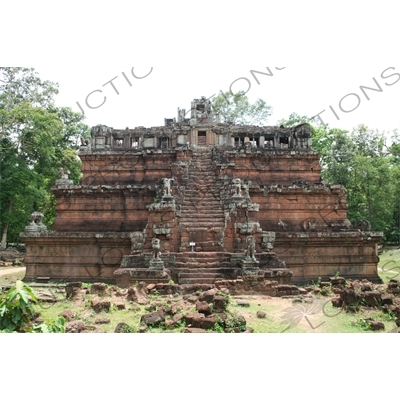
10,275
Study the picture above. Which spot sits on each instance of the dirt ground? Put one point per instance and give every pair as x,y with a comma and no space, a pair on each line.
11,267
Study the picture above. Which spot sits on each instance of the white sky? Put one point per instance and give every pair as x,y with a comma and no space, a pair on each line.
304,90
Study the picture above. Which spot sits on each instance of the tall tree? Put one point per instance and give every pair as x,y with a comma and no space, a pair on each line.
36,139
237,109
366,166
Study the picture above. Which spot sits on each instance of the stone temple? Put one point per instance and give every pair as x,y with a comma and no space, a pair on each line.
197,201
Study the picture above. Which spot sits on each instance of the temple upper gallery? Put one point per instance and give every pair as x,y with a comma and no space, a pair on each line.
197,200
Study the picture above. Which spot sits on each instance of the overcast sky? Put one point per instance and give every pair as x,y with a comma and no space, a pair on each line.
304,90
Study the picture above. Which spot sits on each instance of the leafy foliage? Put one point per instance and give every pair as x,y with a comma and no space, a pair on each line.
16,308
17,312
368,168
36,140
236,108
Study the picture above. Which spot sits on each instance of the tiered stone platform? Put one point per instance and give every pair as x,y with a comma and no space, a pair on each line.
223,201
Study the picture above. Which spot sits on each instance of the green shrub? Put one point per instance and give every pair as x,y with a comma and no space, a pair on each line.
16,309
17,312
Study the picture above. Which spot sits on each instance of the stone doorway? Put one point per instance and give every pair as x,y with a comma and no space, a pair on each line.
202,139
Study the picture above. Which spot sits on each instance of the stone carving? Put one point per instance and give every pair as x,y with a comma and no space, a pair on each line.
101,130
246,187
201,109
156,263
302,134
36,225
268,240
363,225
251,250
84,142
208,108
248,228
237,187
181,115
283,225
64,173
137,242
167,187
64,180
156,246
162,229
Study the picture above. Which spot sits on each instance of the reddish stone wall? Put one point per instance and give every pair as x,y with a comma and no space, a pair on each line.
270,167
126,168
102,209
69,257
314,255
310,208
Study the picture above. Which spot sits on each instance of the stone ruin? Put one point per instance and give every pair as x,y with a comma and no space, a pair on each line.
197,201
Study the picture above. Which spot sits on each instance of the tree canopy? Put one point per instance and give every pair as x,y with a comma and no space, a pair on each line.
237,109
368,167
36,140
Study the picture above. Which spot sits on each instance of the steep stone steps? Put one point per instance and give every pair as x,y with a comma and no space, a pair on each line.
202,215
210,214
201,268
196,280
201,260
203,224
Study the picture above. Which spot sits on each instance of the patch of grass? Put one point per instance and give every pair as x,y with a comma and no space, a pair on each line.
273,323
389,265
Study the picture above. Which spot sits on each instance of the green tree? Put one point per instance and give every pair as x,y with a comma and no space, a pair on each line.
293,120
237,109
36,140
366,166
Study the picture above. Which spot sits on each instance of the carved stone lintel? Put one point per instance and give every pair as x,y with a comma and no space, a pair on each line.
248,228
268,240
162,229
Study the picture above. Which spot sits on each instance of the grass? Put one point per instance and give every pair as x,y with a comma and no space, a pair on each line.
131,316
389,265
319,317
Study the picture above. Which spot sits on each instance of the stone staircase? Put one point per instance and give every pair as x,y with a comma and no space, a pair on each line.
203,268
202,215
203,222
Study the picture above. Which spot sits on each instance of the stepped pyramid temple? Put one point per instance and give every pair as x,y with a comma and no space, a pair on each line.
197,201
